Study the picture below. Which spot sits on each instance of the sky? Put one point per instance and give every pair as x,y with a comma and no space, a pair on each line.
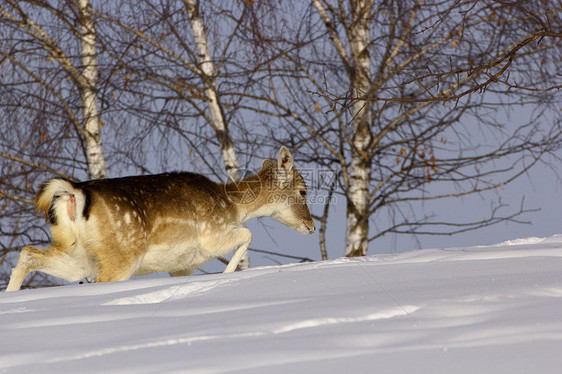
540,188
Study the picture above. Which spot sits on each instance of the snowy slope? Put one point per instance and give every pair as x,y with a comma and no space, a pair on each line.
494,309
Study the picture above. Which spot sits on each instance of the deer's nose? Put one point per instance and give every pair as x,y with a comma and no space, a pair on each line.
311,228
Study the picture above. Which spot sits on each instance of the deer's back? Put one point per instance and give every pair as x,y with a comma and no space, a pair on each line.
153,196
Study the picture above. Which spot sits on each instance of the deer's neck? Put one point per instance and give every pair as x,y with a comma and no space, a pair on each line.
251,197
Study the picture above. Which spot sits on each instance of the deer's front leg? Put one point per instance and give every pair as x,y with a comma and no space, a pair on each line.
239,239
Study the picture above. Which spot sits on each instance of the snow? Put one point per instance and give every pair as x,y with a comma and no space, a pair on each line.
486,309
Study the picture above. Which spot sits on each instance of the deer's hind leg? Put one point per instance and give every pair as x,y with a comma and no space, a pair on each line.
115,272
182,273
54,261
119,261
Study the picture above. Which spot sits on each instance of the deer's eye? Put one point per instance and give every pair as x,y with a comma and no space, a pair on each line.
303,193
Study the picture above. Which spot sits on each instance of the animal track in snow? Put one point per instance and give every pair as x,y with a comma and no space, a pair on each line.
170,293
317,322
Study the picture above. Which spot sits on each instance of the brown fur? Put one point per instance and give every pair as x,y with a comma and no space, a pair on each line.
110,229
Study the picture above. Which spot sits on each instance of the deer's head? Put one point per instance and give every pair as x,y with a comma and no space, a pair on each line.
286,193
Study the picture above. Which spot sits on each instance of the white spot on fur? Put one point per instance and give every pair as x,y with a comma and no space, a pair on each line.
127,218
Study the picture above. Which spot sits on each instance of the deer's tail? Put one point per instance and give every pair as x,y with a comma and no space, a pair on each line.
67,197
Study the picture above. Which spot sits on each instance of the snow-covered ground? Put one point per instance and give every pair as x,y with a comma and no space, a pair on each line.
493,309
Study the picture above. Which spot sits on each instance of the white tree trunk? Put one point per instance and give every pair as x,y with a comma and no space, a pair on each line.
210,90
358,68
357,229
92,134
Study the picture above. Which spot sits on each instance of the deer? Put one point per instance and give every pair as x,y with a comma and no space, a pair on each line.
108,230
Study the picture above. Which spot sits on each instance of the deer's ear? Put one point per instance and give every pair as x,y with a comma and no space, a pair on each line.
267,164
285,160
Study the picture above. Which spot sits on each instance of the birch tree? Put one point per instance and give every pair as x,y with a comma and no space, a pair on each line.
357,64
411,102
208,73
83,77
49,109
87,85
